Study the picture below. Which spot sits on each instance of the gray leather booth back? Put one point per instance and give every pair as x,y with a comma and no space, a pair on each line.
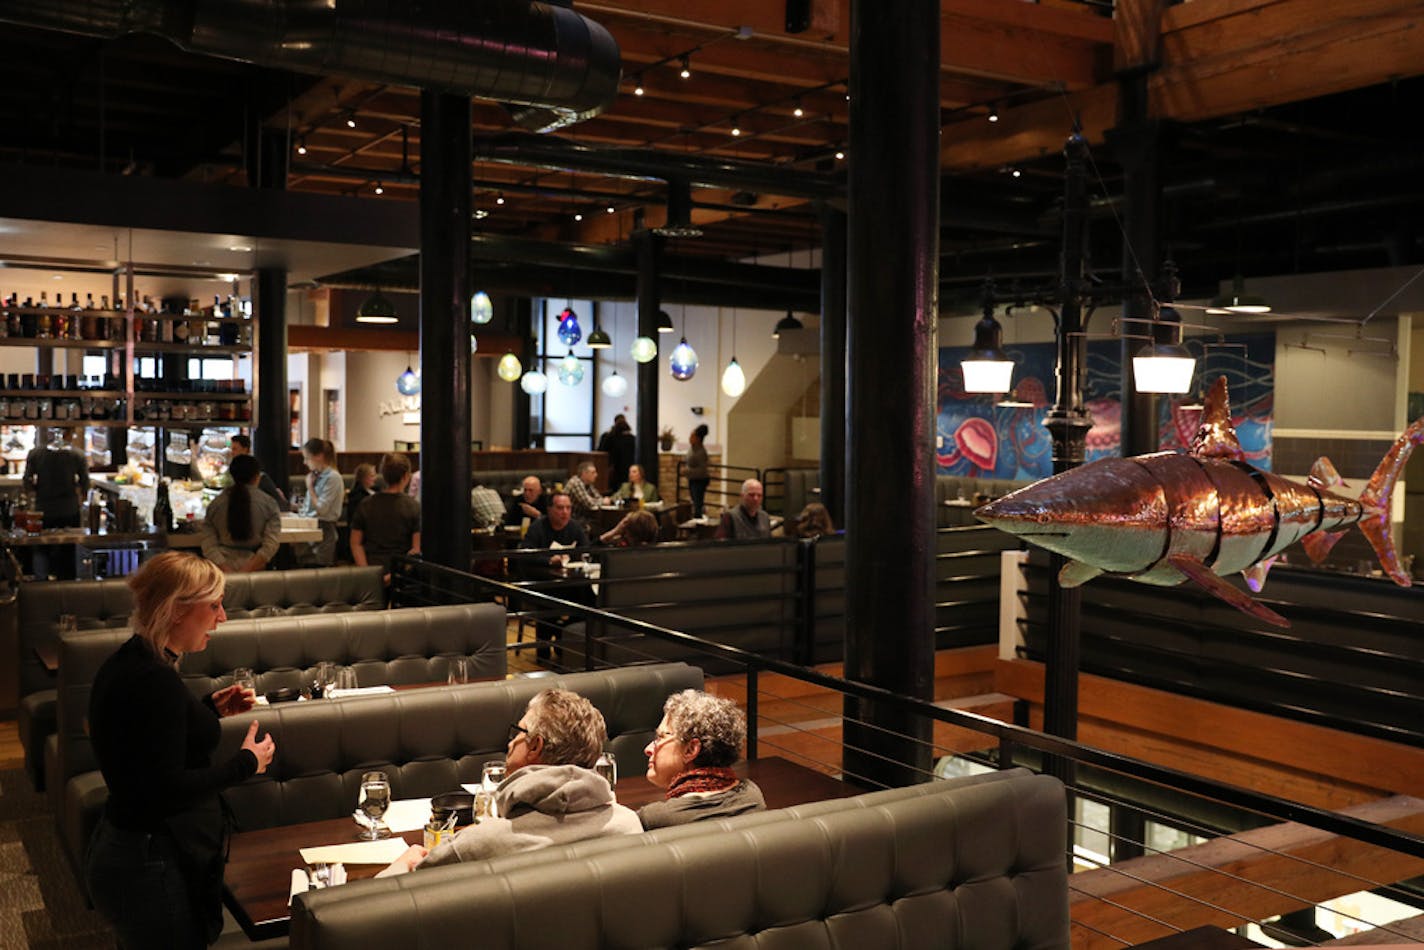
388,647
428,740
737,594
107,603
975,863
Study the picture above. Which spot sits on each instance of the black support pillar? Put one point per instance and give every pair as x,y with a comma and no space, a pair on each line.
892,311
649,249
833,360
445,181
272,417
1136,145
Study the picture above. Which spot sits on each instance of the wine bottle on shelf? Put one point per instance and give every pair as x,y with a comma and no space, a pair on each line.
44,302
163,510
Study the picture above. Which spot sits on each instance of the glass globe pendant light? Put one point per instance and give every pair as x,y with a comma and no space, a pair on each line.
408,383
569,330
683,361
481,308
509,367
570,371
644,350
615,386
474,345
534,382
734,381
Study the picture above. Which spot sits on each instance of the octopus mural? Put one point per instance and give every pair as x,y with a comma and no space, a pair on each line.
993,437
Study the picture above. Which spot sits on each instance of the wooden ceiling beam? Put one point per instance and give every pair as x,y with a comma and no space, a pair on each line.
1219,57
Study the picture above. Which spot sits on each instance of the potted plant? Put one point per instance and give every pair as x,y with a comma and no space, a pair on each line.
666,439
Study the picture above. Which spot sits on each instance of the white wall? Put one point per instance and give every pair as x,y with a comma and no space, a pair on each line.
371,381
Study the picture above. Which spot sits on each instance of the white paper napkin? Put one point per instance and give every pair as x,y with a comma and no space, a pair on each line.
383,851
358,691
301,881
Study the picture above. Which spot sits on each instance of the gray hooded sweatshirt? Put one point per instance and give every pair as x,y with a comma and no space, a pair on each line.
539,806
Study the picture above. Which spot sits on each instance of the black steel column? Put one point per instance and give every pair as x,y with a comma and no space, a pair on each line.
1135,143
833,360
524,330
649,249
445,181
272,412
892,314
1068,423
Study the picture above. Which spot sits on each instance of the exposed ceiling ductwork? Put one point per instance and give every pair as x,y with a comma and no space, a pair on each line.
554,65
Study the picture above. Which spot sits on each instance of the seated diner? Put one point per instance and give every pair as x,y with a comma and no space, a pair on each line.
691,757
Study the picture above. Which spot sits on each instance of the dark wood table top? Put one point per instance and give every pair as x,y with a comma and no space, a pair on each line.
259,868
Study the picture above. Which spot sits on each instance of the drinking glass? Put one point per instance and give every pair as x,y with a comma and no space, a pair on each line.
459,670
607,766
323,678
244,677
492,774
346,678
68,623
375,799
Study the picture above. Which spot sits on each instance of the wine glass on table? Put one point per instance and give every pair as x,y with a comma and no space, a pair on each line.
375,799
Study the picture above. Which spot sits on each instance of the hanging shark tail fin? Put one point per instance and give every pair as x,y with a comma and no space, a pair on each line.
1377,498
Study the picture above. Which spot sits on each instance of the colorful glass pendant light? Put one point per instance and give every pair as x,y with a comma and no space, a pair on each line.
683,361
408,383
534,382
644,350
481,308
569,330
509,368
615,386
570,371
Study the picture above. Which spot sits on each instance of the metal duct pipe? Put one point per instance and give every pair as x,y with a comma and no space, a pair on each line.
540,55
555,154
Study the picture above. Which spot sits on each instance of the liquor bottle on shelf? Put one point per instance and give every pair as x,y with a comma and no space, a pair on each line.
44,300
89,321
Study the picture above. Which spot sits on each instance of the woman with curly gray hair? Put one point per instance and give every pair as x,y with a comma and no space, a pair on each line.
691,756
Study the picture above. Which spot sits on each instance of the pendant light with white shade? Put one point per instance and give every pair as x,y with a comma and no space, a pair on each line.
734,380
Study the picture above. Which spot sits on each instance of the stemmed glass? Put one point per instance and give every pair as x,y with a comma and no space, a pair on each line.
375,799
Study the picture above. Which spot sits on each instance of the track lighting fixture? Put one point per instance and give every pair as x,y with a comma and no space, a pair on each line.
993,114
686,71
301,145
380,189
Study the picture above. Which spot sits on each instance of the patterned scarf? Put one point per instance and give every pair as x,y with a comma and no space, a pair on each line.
702,780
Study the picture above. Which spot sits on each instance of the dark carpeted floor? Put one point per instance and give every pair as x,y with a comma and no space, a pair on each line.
40,903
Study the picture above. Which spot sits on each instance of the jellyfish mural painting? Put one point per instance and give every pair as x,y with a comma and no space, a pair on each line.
1166,518
976,442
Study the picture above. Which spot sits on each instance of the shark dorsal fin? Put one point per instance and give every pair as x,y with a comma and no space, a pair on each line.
1216,437
1323,475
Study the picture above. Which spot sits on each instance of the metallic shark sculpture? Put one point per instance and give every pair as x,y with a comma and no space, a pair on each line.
1167,517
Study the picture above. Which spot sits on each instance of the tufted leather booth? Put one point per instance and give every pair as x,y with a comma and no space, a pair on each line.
966,863
428,740
107,603
389,647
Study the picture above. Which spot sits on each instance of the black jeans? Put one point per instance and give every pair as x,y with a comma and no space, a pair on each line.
698,488
136,882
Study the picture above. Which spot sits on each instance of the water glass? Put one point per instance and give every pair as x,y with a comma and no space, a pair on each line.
607,766
346,678
492,774
459,670
374,800
323,678
244,677
68,623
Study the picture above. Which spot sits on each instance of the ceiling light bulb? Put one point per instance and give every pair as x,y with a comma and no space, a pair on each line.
351,122
578,216
840,154
499,198
611,210
380,190
1017,173
301,147
686,71
736,130
734,380
638,89
798,111
993,114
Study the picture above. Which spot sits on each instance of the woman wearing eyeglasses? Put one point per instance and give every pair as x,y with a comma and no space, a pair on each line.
691,757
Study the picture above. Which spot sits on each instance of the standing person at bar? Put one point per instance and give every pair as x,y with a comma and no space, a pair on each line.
323,500
155,865
241,528
242,445
699,471
59,476
387,524
748,519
